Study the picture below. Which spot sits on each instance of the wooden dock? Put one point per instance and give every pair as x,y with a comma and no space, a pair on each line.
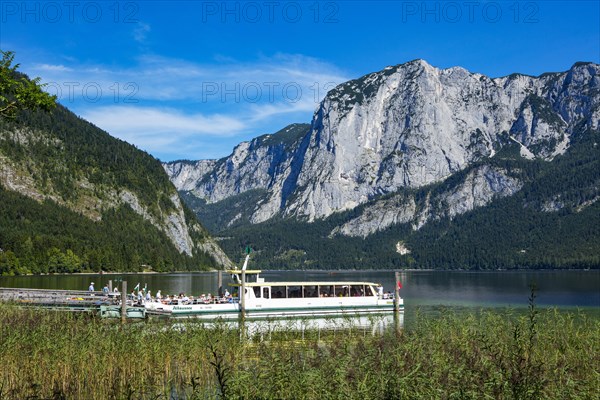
67,300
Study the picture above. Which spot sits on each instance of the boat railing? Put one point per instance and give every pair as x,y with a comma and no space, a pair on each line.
197,300
37,296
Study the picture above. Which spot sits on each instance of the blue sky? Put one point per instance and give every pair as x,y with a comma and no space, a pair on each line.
191,79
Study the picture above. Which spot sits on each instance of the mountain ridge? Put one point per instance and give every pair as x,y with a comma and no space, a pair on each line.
60,158
402,128
532,115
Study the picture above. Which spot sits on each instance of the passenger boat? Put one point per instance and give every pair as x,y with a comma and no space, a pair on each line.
262,299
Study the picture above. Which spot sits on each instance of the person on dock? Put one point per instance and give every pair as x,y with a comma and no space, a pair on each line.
91,288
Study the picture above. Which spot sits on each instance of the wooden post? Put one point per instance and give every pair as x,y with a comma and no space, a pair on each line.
124,303
110,289
220,283
396,292
242,295
397,303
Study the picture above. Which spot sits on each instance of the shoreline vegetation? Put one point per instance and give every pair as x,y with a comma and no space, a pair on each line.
85,273
538,354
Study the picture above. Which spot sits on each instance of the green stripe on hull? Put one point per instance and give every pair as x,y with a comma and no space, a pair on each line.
348,310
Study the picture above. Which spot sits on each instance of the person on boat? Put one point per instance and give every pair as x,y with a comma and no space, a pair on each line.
105,290
91,288
148,296
159,296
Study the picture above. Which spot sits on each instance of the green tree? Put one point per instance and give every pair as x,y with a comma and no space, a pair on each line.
17,92
9,263
59,262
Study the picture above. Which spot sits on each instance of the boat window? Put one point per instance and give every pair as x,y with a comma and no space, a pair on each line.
294,292
311,291
326,291
266,293
370,291
256,291
341,290
278,292
357,290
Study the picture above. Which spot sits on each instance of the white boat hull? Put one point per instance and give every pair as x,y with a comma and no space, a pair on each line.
274,309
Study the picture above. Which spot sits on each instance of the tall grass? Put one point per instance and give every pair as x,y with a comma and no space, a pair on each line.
487,355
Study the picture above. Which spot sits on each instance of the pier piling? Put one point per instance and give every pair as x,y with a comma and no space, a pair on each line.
220,282
397,322
396,292
242,296
124,303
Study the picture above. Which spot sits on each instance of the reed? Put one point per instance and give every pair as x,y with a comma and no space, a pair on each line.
500,355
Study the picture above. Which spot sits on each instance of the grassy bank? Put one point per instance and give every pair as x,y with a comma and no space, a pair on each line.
546,355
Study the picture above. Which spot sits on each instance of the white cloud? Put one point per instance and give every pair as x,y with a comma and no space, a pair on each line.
141,32
152,121
168,79
177,103
52,68
262,112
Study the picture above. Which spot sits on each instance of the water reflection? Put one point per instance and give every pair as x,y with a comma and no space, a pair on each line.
375,324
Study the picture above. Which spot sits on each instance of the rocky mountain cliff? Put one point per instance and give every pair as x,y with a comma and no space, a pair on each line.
407,126
408,166
266,162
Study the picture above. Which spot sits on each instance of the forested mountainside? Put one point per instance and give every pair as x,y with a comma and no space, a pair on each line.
73,198
415,166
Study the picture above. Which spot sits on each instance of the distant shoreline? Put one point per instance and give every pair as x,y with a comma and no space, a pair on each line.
321,271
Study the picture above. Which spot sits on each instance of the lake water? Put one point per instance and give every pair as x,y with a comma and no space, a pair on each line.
425,290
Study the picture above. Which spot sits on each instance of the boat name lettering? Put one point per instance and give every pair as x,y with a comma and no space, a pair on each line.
182,308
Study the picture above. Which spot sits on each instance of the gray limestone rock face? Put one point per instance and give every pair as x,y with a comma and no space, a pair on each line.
404,127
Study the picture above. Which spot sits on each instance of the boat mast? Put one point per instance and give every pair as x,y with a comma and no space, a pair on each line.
243,287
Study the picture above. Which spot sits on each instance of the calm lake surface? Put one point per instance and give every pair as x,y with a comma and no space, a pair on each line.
424,290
